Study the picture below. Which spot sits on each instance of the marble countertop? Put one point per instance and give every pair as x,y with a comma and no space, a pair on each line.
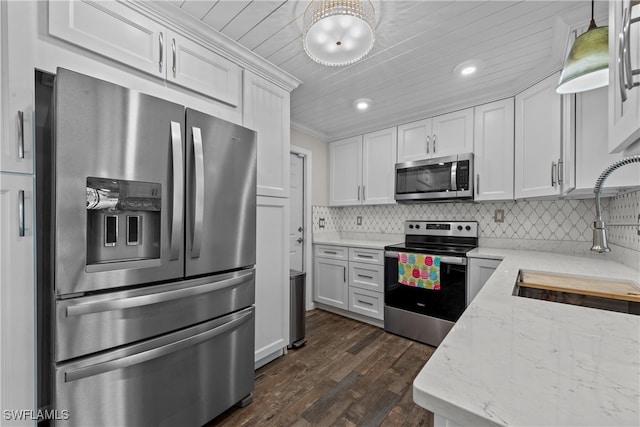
372,241
519,361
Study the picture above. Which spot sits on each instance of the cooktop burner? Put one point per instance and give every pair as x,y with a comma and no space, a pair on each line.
451,238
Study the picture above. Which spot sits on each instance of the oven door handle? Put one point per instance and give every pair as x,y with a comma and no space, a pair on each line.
443,259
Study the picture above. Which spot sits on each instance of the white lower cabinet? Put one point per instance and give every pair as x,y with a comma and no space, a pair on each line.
351,279
17,298
272,278
478,272
330,282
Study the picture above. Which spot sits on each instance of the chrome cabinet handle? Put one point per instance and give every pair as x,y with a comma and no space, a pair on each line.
154,353
363,196
157,298
560,171
178,190
173,47
620,60
629,72
553,174
331,252
365,302
365,256
198,220
478,184
344,274
21,134
434,144
428,141
21,213
365,276
358,192
161,43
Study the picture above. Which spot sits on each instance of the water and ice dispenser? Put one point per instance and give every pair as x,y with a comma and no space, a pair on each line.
123,221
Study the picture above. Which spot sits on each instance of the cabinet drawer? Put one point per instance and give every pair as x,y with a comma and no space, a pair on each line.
335,252
374,256
366,276
367,303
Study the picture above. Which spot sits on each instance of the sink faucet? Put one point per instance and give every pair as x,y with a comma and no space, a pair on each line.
599,226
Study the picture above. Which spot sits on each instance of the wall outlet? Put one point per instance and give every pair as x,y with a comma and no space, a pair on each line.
498,215
321,223
359,220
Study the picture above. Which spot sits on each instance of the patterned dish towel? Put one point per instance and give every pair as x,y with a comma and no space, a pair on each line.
419,270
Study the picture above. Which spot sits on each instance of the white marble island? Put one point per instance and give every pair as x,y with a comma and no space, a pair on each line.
511,360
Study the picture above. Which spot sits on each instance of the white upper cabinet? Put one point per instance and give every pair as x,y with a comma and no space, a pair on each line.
624,100
17,31
195,67
378,167
267,111
444,135
345,171
592,156
493,150
539,136
362,169
114,30
414,140
452,133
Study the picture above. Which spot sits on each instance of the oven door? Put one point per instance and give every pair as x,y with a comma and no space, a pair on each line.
447,303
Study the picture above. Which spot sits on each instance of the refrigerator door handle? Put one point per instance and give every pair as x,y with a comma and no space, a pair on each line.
178,190
144,356
134,302
198,221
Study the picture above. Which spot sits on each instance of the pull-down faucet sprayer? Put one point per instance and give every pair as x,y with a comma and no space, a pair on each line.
599,226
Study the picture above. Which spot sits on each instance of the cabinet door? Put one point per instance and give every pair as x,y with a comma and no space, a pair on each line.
272,276
330,282
17,297
414,140
624,115
379,167
452,133
113,30
493,150
195,67
592,153
345,172
17,37
478,272
266,110
538,138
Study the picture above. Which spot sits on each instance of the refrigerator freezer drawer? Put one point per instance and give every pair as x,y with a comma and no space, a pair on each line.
89,324
183,378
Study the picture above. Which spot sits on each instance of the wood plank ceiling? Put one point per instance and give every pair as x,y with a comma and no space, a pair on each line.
409,73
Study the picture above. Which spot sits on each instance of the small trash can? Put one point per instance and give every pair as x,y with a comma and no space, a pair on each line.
297,305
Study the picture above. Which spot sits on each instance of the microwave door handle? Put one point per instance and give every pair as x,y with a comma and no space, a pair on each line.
178,191
454,170
198,221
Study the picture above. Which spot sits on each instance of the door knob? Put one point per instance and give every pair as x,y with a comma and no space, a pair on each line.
300,240
300,229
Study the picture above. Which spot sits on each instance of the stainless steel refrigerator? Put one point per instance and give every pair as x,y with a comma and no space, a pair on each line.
147,212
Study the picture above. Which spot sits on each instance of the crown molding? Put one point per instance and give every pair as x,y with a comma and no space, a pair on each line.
186,25
311,132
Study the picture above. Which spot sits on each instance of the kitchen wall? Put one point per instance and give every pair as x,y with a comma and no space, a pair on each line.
555,225
319,167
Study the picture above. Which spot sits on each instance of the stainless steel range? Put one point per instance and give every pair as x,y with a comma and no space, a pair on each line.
425,283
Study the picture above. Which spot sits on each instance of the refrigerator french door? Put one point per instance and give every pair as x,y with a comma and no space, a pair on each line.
152,211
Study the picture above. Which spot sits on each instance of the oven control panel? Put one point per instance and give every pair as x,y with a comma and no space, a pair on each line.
441,228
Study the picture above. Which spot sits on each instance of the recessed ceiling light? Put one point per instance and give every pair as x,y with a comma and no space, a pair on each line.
468,70
362,104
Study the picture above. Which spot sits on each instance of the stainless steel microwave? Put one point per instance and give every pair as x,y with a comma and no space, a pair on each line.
440,178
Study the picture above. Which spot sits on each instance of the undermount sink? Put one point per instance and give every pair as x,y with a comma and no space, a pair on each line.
603,294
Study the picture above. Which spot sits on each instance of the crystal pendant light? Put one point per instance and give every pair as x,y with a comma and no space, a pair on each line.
587,66
338,32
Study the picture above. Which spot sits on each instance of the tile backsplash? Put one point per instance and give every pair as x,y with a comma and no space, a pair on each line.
548,220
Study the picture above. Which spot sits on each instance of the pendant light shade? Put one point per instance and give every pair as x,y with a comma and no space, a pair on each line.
338,32
587,66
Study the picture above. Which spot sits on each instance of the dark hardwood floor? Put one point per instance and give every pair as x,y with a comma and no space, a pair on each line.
347,374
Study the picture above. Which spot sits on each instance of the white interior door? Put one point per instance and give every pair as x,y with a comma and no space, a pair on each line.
296,222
